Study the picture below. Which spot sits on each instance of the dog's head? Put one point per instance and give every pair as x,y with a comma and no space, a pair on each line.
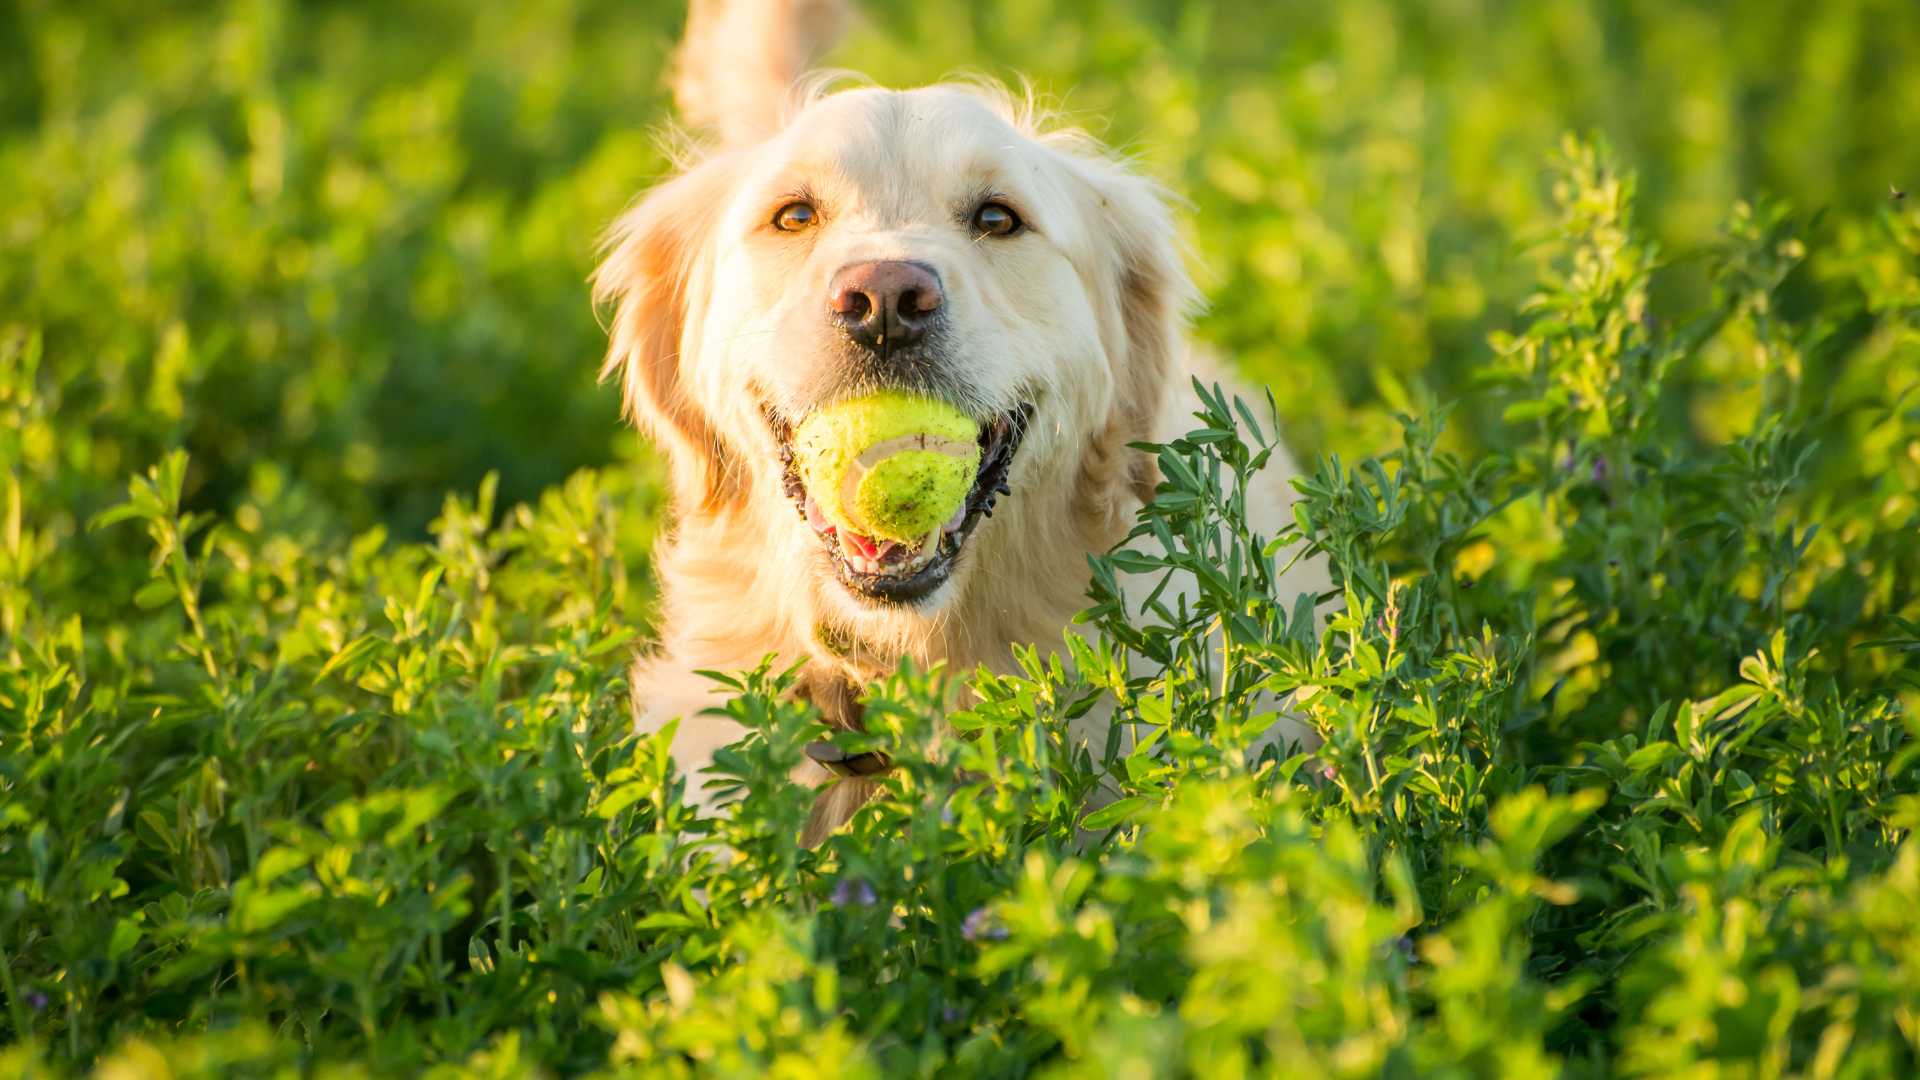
933,240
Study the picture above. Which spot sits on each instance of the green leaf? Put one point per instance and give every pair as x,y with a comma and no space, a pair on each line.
1116,812
126,934
156,593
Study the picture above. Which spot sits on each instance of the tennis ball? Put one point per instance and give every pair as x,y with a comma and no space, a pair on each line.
889,465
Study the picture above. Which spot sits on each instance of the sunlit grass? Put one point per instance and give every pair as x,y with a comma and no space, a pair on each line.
305,763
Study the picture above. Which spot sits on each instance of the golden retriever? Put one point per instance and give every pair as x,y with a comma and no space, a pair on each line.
827,243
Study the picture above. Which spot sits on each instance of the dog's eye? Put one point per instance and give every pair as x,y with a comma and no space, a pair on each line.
795,216
996,219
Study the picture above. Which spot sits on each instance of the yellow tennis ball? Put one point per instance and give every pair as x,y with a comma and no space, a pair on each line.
889,465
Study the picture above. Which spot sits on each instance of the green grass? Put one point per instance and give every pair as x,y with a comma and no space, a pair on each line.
308,765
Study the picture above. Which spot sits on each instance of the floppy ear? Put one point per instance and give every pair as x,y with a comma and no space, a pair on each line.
1149,283
654,275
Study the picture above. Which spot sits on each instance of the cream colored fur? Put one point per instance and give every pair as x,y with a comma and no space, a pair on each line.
716,316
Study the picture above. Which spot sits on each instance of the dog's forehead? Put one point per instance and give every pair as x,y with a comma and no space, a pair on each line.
903,151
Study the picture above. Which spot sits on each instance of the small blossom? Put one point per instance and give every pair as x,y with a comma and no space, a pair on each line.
1400,947
1599,470
949,1014
1327,771
853,892
981,924
36,999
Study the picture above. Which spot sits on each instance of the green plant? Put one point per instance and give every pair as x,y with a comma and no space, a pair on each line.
1616,703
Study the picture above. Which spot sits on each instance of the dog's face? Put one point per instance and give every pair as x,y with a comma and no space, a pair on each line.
921,240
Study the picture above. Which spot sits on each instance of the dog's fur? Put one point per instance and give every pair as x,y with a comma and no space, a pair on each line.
719,319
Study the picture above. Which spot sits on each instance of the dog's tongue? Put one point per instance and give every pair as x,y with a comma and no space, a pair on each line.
817,517
868,548
864,546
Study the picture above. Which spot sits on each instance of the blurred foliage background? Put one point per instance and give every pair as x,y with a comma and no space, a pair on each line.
350,240
330,760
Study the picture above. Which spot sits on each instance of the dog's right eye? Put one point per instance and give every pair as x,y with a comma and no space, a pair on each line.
795,216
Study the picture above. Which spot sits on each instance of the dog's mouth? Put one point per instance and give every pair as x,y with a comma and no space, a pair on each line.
891,571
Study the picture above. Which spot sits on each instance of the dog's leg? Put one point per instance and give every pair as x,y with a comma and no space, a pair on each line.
663,694
1269,512
834,807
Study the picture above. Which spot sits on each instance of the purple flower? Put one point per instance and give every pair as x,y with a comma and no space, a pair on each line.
1599,470
1327,771
949,1014
853,892
981,924
36,999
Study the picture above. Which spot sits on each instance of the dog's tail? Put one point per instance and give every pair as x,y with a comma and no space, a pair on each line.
740,60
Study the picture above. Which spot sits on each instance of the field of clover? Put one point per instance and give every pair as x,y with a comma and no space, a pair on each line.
322,556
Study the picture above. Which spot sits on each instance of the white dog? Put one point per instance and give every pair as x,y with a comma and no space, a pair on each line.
942,240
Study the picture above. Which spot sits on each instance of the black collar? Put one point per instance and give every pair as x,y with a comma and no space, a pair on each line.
841,763
839,702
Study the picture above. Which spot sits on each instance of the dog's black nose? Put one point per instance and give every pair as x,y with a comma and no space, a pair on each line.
885,305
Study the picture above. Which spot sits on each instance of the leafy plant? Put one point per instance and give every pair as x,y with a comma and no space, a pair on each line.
1613,708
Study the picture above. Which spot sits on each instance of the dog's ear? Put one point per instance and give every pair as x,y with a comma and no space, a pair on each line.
1153,293
653,276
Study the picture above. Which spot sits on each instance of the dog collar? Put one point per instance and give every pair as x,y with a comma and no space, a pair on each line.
841,763
838,700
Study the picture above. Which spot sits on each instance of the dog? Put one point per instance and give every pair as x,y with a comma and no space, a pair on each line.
831,240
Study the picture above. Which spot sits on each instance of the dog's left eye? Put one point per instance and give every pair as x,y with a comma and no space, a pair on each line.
996,219
795,216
